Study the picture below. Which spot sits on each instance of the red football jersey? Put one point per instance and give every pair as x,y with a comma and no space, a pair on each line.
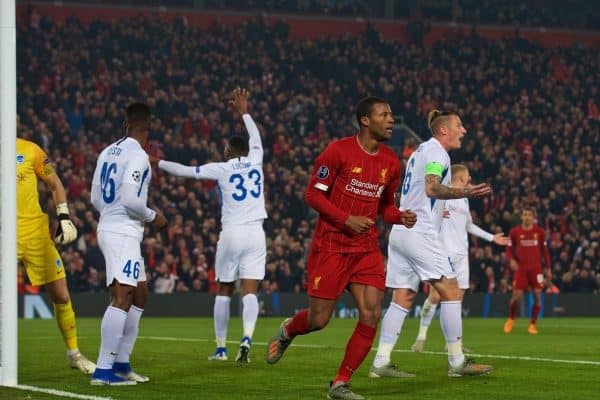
528,246
353,182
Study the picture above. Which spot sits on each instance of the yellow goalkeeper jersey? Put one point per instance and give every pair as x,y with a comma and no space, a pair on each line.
32,162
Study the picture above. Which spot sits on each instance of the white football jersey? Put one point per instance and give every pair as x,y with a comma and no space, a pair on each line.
120,188
457,225
240,181
429,210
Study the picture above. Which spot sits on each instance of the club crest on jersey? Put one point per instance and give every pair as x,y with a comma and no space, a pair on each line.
323,172
316,283
20,158
136,175
383,175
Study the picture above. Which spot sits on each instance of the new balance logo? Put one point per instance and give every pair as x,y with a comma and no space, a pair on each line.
356,170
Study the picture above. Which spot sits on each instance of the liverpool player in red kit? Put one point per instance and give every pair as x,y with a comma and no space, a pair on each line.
353,181
525,257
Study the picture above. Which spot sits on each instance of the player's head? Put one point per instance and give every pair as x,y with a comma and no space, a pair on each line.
527,215
137,120
460,175
375,116
236,146
447,127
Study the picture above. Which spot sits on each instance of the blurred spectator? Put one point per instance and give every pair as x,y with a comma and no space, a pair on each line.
531,116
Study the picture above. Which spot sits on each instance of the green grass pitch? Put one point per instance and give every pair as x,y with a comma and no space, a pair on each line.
173,352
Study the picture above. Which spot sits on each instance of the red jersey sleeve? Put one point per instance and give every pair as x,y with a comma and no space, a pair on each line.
325,171
387,206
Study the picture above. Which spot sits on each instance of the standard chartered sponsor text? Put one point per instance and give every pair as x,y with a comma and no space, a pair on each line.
363,188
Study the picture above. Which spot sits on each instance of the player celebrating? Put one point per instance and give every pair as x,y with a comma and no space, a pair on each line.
454,236
419,254
528,245
120,193
353,181
241,250
34,244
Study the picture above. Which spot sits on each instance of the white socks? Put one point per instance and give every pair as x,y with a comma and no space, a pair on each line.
391,326
113,324
221,317
130,333
451,321
427,314
249,313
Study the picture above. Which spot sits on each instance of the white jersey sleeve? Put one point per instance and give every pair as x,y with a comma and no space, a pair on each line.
207,171
429,158
96,194
255,152
120,188
477,231
136,174
455,227
240,183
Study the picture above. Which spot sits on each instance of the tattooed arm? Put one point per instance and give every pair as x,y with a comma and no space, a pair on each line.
435,189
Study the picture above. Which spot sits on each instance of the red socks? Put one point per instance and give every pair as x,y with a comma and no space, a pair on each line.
534,313
514,307
298,325
357,349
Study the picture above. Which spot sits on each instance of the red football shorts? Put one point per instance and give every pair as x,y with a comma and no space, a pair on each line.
528,277
330,273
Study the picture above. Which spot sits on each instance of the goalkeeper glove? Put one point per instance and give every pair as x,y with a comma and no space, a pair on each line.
66,231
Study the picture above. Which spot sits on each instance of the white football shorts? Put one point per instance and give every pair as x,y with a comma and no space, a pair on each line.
241,253
414,257
460,263
123,257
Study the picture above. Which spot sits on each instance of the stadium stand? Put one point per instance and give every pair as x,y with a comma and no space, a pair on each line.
532,115
573,14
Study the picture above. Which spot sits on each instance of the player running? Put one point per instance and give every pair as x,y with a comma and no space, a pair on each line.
419,254
242,249
120,193
353,182
525,257
35,248
454,235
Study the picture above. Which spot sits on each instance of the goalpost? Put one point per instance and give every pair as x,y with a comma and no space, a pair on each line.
8,196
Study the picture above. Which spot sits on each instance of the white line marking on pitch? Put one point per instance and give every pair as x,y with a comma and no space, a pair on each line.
317,346
61,393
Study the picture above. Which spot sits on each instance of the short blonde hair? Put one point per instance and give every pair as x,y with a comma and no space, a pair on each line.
457,169
436,118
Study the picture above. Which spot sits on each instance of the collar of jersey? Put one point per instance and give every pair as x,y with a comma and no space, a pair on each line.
363,149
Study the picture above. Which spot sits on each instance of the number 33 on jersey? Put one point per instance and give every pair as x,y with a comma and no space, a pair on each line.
239,180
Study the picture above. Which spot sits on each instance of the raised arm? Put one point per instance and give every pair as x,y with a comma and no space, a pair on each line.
239,103
206,171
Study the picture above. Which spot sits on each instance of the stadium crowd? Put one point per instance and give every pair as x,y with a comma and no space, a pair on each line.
532,117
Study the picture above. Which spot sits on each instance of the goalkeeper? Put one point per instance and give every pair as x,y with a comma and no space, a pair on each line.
35,248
